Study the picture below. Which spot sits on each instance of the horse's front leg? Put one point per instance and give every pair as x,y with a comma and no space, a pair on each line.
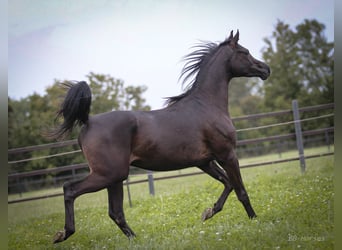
231,166
217,173
115,205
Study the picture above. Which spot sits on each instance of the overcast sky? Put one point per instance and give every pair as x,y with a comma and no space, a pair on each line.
140,42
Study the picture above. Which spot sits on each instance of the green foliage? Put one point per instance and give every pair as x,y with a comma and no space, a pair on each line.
294,211
110,94
242,99
302,63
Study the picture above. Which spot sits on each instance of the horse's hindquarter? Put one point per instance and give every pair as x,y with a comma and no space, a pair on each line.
106,138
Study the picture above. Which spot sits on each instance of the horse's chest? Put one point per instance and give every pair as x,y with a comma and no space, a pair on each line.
221,134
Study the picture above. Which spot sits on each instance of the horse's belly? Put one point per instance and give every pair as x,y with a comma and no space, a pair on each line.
167,157
166,165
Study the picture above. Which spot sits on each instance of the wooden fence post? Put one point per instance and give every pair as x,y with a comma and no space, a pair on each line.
327,139
150,182
128,192
299,136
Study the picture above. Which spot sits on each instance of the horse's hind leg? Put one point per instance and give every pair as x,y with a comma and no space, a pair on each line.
217,173
115,205
92,183
231,166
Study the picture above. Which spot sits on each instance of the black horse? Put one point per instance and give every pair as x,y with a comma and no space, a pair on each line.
194,129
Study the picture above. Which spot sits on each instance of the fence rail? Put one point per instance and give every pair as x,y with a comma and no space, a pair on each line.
179,175
16,177
241,142
42,147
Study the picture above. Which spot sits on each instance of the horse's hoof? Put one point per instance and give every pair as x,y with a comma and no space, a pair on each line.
59,237
208,213
130,235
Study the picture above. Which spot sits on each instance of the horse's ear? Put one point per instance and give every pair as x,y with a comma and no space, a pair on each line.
231,36
236,37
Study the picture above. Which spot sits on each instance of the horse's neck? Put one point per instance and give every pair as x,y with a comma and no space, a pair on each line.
212,89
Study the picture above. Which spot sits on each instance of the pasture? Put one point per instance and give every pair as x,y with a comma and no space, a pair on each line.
295,211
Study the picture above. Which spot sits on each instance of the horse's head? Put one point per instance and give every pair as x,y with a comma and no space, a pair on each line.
242,63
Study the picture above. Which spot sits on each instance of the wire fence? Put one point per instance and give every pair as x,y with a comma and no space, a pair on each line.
20,182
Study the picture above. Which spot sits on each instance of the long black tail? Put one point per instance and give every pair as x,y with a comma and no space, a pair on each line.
74,109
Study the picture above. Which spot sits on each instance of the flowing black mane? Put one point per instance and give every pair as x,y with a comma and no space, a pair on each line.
194,62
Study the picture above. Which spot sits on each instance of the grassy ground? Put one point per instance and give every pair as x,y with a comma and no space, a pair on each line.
295,211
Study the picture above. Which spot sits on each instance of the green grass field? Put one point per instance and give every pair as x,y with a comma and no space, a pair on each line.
295,211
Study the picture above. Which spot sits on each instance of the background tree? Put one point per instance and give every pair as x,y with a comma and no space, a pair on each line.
243,97
302,63
110,94
316,63
243,100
